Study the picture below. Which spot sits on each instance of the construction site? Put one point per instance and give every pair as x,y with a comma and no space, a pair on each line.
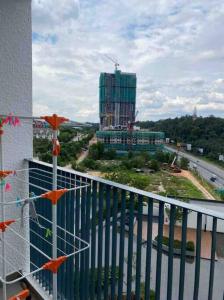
117,111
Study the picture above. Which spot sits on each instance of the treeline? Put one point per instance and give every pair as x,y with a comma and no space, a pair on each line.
69,149
206,133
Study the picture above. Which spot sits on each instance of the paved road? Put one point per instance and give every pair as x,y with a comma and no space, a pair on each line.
205,169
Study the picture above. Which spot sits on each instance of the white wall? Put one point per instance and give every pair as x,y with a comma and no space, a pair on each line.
16,97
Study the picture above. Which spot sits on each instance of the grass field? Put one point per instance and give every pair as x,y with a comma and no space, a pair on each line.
162,183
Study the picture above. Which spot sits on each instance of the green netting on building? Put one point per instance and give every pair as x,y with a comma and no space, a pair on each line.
118,87
135,141
117,93
141,134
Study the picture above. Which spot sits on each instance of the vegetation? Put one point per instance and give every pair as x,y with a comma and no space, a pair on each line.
208,186
206,133
184,163
143,171
162,183
177,244
69,149
178,214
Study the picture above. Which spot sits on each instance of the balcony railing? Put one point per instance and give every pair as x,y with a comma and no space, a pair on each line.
127,258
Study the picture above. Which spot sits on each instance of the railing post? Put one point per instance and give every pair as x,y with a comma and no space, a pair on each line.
159,250
130,245
93,240
149,249
183,254
212,263
198,256
114,244
139,249
122,237
170,257
100,241
107,243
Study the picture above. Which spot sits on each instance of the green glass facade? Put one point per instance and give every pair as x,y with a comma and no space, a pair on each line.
117,93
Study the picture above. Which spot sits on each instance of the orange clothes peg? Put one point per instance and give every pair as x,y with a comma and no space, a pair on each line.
1,130
21,296
54,264
55,121
54,196
56,147
5,224
4,174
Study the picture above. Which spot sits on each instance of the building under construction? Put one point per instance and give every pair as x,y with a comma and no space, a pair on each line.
136,140
117,99
118,113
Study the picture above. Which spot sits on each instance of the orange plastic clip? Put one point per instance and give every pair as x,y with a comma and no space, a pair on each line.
55,121
5,224
21,296
4,174
56,147
1,130
54,264
54,196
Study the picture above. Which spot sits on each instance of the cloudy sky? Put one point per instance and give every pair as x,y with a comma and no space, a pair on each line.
176,47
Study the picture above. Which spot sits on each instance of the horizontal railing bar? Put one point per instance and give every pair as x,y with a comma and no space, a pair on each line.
192,207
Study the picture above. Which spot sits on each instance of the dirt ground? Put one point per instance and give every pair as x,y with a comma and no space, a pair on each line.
189,176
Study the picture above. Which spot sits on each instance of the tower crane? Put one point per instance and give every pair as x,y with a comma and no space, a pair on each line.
116,64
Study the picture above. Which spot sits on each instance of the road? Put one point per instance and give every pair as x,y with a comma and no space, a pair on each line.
205,169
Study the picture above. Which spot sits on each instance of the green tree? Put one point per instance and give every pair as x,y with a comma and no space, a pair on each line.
96,151
184,163
154,165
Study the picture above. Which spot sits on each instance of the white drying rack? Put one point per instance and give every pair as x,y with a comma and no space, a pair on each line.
14,191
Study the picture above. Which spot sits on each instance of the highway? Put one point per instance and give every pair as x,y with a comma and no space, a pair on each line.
205,169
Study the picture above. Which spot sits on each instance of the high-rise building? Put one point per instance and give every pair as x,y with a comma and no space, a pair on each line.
117,99
117,116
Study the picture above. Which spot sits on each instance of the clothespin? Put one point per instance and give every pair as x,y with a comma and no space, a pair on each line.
48,233
16,121
18,204
2,182
8,187
32,195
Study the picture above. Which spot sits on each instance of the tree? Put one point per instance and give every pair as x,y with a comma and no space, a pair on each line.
90,163
206,133
154,165
110,154
177,215
184,163
96,151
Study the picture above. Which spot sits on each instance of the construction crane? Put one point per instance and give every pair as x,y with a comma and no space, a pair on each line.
131,123
130,128
116,64
173,166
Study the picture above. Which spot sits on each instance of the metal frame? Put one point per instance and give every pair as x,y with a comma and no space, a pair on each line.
53,223
105,192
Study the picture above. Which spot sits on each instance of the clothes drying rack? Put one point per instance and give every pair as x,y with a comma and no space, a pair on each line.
15,196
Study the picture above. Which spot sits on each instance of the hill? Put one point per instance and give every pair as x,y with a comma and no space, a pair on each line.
206,133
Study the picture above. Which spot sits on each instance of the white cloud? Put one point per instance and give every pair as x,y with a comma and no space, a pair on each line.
175,47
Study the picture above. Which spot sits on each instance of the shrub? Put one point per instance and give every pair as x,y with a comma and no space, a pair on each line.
154,165
90,164
190,246
177,244
184,163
